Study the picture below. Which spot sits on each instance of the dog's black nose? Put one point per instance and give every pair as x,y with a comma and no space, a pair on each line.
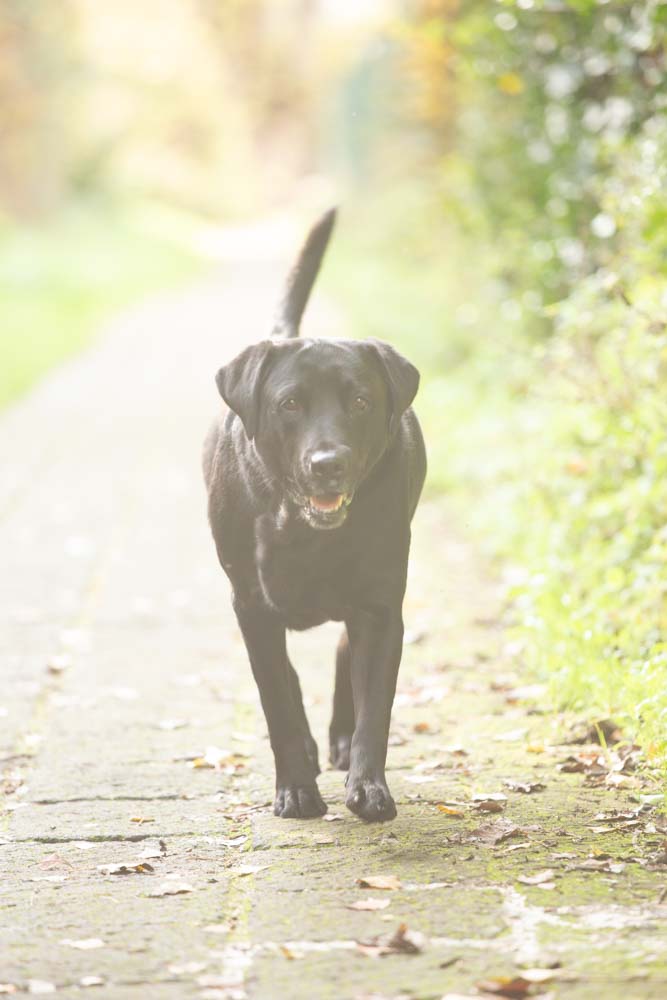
329,464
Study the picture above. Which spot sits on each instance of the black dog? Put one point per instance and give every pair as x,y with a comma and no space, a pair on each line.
313,476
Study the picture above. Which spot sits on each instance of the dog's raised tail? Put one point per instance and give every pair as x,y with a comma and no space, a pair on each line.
302,277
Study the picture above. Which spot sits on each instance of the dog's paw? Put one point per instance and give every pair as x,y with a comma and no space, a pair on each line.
370,800
299,802
339,752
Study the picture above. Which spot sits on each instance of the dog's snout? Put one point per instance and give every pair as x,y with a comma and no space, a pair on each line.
330,463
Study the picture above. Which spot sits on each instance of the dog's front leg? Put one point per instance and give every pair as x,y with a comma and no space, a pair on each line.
297,794
376,642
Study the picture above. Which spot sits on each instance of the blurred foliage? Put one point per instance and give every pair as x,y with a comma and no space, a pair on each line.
529,280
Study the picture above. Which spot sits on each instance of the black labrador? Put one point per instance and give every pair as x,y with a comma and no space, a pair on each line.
313,475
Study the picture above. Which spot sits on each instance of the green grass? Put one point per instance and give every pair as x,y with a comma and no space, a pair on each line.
59,280
552,451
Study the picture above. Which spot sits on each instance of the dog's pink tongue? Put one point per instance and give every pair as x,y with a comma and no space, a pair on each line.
327,502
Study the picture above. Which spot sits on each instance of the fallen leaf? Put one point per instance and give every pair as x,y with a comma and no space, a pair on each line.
422,727
84,944
489,797
526,787
514,987
402,941
7,988
91,981
604,732
598,865
538,879
406,941
218,928
369,904
41,986
234,841
141,819
489,805
496,832
172,888
333,818
213,757
379,882
448,810
141,868
289,953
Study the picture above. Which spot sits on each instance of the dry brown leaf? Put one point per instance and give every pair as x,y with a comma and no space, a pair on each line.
369,904
598,865
141,819
405,941
234,841
422,727
513,987
496,832
142,868
379,882
489,805
526,787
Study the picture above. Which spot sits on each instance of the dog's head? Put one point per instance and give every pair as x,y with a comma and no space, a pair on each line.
321,413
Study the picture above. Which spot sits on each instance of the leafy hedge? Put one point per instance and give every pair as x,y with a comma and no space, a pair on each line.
557,174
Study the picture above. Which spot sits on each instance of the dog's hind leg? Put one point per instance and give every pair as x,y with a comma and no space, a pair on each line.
311,745
342,720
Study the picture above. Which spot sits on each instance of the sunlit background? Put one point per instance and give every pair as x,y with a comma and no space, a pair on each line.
502,172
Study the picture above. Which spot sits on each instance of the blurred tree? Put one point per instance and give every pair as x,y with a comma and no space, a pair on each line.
37,68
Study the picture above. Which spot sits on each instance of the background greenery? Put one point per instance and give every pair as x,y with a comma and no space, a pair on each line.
531,287
503,171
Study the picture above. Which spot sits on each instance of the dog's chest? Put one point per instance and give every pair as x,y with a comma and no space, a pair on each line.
306,581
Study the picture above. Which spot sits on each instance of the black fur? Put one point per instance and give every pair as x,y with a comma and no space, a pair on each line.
313,476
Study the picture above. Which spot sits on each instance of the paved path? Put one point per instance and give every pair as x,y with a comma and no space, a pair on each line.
122,666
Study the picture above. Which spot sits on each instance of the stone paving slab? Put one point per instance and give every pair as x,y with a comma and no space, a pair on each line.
121,667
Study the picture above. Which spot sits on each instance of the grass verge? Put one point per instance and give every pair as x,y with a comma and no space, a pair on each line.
59,280
550,447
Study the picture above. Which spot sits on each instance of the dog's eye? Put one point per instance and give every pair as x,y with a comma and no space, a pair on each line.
290,404
361,404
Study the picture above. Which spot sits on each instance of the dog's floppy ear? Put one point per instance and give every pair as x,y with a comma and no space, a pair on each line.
239,383
401,376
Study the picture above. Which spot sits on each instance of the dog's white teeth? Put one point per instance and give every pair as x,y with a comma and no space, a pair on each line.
327,504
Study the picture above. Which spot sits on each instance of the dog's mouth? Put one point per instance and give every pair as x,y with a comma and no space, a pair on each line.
327,503
326,510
